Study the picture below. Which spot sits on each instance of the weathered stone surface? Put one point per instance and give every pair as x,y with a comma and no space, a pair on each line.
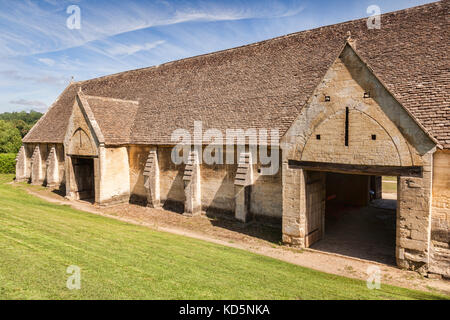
113,177
441,180
414,215
22,171
418,235
52,162
294,215
192,185
217,181
243,182
440,259
151,179
37,176
417,245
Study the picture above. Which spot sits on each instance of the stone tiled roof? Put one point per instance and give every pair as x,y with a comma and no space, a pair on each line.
52,126
265,85
115,118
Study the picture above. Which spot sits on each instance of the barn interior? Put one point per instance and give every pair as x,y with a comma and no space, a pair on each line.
360,217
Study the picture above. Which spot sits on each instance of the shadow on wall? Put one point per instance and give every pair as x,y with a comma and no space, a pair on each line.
170,203
261,227
218,203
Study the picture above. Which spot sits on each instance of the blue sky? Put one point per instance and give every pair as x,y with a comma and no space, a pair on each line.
40,54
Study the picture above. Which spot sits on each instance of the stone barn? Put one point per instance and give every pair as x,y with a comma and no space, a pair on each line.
350,104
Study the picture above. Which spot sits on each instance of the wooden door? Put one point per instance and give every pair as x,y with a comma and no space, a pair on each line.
83,169
315,207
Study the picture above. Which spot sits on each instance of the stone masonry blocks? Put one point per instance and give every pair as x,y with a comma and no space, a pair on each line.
192,187
414,220
22,172
294,218
243,184
52,169
151,179
37,177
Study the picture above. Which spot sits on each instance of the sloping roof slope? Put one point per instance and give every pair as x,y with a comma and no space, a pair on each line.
265,85
115,118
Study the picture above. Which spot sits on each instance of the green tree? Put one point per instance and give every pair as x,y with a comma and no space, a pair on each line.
28,117
22,120
22,126
10,138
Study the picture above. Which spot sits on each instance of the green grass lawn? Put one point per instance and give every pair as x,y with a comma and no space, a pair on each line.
39,240
389,184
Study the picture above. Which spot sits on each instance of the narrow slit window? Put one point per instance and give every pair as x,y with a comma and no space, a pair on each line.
346,126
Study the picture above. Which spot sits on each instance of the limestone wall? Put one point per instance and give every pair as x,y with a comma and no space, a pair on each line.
171,180
114,186
266,195
414,218
217,187
171,176
217,184
441,179
294,205
42,167
440,223
137,157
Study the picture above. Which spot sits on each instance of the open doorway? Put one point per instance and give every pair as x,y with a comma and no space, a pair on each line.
387,190
84,187
359,218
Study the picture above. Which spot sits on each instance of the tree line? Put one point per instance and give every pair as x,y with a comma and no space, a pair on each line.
13,127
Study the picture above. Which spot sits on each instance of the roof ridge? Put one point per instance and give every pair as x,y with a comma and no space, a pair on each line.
110,98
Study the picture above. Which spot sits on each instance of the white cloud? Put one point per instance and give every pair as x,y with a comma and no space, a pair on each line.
48,79
34,29
186,16
230,14
47,61
24,102
30,104
122,49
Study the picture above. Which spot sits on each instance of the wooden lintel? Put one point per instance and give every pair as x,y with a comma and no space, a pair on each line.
412,171
80,156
